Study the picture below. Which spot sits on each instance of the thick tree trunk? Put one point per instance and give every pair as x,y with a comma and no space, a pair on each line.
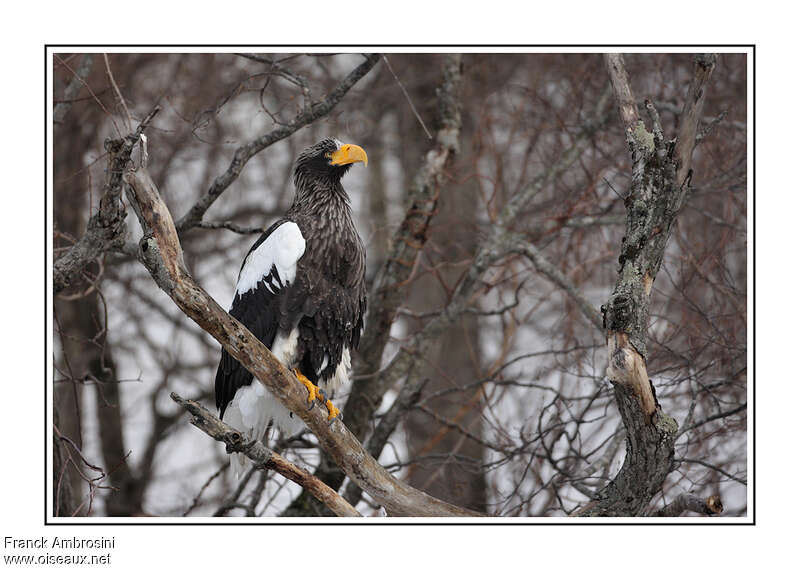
70,317
453,471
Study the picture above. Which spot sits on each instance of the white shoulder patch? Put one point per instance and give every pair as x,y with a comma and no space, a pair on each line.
282,249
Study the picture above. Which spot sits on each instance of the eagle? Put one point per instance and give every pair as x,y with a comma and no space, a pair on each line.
301,291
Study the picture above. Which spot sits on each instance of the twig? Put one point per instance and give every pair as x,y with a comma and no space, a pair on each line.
408,97
236,228
715,468
555,275
731,412
128,118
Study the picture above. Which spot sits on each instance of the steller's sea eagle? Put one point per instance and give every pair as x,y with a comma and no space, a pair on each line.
301,291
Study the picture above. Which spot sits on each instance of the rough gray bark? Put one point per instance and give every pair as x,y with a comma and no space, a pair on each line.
688,502
656,194
161,253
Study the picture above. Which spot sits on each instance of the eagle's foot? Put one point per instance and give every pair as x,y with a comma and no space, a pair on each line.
313,391
333,412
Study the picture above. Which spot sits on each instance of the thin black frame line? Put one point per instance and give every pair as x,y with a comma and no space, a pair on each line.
46,289
426,523
410,523
753,139
411,45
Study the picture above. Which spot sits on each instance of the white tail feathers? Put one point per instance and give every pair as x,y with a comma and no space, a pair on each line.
250,412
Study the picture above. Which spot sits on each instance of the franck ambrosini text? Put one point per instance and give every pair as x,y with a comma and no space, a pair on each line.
58,550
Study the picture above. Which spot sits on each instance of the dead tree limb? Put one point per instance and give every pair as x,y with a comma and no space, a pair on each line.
264,458
106,228
657,191
161,253
692,113
688,502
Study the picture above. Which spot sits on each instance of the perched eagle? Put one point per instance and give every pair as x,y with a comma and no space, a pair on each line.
301,291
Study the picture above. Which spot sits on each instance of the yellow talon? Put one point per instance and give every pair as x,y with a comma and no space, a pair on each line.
313,391
333,411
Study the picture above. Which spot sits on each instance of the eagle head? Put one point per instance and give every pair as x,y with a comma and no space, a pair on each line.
328,159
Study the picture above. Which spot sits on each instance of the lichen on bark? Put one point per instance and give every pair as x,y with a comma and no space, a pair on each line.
644,139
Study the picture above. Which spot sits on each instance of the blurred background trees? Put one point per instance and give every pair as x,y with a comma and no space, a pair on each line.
511,413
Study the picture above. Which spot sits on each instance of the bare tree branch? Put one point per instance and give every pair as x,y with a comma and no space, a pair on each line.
628,110
120,98
245,152
688,502
555,275
408,97
231,226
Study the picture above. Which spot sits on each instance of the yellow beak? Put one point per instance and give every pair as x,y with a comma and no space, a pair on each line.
348,154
